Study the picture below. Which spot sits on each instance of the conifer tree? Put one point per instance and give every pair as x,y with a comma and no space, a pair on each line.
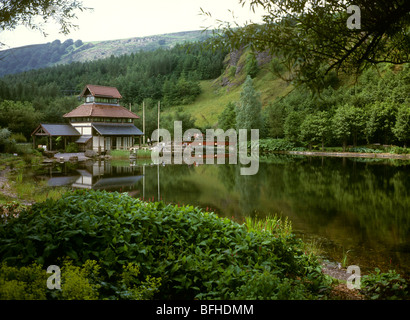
248,113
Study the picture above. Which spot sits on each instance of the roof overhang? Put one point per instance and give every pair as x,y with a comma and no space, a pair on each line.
83,139
101,91
117,129
55,130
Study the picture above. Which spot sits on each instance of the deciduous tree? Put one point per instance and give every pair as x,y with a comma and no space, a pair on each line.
311,38
347,122
315,128
402,126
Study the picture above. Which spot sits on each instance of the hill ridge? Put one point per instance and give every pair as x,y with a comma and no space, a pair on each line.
36,56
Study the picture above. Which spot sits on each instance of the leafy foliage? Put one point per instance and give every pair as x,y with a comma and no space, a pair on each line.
311,39
347,121
77,283
19,117
384,286
71,147
402,126
10,210
13,14
271,145
25,283
5,141
374,110
195,253
315,128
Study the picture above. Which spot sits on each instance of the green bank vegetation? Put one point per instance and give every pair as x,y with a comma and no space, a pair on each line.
112,246
177,252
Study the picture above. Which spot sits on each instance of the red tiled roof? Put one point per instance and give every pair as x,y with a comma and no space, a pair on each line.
100,110
101,91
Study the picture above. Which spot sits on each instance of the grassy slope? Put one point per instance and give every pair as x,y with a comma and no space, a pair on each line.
214,97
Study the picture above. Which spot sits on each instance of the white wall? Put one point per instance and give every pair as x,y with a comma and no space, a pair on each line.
84,128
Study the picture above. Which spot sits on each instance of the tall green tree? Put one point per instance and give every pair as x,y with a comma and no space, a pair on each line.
291,126
227,119
5,141
347,122
402,127
275,116
19,117
248,112
251,65
315,128
380,119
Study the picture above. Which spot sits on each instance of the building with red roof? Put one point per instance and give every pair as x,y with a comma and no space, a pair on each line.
100,122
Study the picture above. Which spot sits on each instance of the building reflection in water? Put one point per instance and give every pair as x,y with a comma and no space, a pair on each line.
100,175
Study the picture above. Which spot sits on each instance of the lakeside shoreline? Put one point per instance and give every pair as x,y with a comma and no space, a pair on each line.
348,154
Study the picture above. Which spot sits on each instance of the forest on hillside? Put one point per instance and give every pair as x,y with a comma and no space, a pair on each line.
30,57
37,56
171,76
374,110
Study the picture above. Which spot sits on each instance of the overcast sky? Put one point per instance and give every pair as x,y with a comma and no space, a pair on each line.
119,19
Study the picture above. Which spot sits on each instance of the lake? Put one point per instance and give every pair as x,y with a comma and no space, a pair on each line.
346,207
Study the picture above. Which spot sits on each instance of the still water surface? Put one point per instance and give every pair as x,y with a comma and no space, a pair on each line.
344,206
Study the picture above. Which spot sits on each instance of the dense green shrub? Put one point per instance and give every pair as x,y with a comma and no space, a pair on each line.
400,150
195,253
268,286
364,150
272,145
25,283
72,147
18,137
10,210
77,283
384,286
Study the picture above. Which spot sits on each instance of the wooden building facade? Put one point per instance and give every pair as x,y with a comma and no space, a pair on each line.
101,123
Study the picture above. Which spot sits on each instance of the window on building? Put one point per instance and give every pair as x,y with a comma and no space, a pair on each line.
106,100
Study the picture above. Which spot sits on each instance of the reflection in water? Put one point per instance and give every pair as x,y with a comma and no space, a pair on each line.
360,205
98,175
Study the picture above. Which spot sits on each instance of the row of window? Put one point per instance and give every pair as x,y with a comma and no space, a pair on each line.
98,119
90,99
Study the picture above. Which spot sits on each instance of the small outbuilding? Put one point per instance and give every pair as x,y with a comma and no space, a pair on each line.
68,132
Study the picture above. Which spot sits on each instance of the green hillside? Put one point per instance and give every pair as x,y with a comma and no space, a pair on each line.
217,93
53,53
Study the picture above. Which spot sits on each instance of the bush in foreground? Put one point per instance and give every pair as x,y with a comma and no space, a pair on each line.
174,252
